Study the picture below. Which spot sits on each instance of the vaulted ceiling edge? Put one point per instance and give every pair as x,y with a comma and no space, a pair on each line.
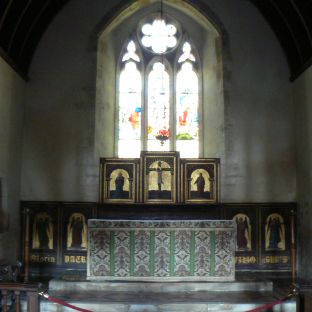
22,24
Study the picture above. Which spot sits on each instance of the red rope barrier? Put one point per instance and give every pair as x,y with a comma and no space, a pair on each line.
258,309
45,295
269,305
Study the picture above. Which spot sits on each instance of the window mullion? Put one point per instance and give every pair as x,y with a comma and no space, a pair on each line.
144,112
172,112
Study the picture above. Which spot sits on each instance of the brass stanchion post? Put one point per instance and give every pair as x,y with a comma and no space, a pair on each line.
26,246
293,247
294,289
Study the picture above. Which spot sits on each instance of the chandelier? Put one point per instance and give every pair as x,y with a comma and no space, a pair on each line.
160,34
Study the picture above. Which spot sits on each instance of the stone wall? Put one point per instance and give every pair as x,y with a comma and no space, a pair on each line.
254,133
303,100
11,121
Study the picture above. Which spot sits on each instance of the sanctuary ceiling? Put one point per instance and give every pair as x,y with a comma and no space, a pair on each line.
23,22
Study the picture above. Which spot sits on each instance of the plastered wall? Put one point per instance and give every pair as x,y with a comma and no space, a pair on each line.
11,120
303,101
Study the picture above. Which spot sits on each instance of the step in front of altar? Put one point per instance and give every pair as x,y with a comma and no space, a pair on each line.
157,250
61,285
163,297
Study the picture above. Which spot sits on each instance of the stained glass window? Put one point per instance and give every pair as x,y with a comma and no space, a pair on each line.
130,105
187,127
158,107
159,36
158,110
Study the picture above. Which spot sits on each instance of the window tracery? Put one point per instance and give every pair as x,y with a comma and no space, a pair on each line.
158,102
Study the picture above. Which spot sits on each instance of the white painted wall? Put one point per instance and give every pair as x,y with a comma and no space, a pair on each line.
259,140
11,121
303,102
59,158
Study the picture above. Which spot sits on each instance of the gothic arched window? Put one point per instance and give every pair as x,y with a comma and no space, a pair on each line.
158,90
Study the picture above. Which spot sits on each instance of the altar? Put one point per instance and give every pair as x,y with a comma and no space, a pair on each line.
158,250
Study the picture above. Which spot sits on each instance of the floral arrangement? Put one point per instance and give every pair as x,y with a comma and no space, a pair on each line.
162,135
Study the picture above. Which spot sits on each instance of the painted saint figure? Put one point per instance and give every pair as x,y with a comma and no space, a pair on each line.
77,227
159,176
274,232
76,231
200,182
159,180
243,232
119,183
42,232
42,227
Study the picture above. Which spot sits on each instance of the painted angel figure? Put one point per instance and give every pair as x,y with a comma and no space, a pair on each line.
77,232
243,232
275,232
43,232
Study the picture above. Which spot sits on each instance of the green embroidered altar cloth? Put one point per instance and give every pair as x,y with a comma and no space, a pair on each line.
179,250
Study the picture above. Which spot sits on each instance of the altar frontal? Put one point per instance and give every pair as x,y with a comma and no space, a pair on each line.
185,250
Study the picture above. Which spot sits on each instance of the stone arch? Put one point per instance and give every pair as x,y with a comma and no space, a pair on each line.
208,39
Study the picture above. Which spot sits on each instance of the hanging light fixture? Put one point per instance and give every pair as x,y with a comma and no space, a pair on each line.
160,34
165,32
163,133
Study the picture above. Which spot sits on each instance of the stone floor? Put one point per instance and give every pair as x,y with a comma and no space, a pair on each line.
247,292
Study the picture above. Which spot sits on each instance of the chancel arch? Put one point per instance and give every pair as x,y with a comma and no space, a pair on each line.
58,161
202,41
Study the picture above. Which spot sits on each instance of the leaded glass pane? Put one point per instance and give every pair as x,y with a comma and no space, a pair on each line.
159,36
131,53
129,148
159,33
187,54
188,148
155,145
187,127
158,105
130,90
